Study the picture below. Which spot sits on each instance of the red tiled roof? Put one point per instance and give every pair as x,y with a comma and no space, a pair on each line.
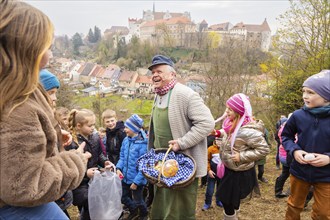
81,68
253,27
126,76
96,70
219,27
144,79
176,20
100,73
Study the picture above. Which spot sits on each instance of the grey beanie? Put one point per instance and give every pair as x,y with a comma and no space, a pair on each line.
320,83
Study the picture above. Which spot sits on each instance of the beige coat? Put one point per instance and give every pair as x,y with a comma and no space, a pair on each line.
32,171
251,145
191,121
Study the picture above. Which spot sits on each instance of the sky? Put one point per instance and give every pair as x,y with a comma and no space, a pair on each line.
72,16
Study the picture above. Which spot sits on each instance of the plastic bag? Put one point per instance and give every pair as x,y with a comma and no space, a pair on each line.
104,196
220,169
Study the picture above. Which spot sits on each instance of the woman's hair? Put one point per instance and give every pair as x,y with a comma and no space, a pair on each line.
78,116
25,35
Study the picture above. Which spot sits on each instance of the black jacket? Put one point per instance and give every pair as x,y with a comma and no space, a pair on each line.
114,141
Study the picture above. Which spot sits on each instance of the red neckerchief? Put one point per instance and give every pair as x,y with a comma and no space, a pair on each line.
162,91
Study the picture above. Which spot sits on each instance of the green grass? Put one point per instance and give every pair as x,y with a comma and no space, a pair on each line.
123,107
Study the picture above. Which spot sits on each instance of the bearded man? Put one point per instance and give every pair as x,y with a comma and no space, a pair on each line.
180,118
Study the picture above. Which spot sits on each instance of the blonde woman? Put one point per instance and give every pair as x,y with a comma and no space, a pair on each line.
33,173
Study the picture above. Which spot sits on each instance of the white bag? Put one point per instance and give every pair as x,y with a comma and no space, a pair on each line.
104,196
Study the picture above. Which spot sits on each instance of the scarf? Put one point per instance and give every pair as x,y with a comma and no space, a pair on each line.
162,91
319,111
246,118
227,124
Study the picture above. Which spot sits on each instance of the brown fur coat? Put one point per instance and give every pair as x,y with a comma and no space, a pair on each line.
32,172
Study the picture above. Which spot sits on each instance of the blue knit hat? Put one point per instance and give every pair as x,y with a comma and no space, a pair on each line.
134,123
320,83
48,80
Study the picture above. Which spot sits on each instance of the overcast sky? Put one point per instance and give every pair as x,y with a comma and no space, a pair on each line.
70,17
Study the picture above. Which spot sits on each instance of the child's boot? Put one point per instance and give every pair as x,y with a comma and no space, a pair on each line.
229,217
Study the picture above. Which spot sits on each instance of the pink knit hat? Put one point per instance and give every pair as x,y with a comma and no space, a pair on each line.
240,103
236,104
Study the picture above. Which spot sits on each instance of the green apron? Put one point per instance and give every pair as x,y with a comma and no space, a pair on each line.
170,203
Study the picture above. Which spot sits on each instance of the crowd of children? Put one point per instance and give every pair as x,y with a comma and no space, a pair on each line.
241,144
56,152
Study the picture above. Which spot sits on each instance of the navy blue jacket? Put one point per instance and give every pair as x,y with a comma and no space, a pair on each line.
313,137
131,150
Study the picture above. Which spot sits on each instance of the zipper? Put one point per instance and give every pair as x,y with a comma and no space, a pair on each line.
129,147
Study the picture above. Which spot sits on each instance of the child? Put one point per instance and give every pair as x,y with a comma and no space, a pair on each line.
213,157
245,144
115,134
33,172
133,181
261,163
311,152
103,139
285,161
81,124
50,83
62,114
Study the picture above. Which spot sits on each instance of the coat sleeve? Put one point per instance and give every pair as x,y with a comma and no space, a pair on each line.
201,119
288,136
140,179
120,163
32,173
258,147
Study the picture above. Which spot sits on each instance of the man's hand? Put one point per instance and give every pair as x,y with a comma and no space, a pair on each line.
175,145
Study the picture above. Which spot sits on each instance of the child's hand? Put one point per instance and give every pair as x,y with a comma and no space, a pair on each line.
133,186
299,156
120,174
213,132
211,174
110,166
66,138
91,171
235,156
320,160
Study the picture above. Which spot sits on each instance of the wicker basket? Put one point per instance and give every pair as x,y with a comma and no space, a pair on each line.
160,183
